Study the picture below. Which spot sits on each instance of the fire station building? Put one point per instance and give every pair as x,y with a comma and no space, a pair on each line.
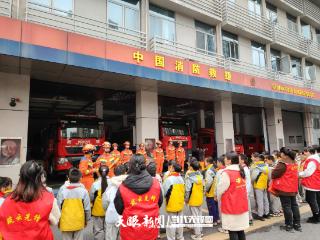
240,67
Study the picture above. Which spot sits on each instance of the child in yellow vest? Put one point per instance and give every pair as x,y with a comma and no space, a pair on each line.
97,211
73,200
173,190
259,177
194,195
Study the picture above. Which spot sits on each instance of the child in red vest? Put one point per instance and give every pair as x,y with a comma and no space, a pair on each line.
231,186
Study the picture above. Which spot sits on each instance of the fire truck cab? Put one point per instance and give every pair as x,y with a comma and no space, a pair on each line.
63,141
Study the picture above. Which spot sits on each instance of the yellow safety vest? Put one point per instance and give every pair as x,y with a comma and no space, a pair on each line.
72,215
97,208
196,198
176,200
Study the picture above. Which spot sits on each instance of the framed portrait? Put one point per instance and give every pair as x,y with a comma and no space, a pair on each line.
150,144
10,151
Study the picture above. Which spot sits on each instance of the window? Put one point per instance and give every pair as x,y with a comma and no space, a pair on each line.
61,7
292,139
316,123
292,23
162,23
205,36
299,139
306,30
318,35
296,67
272,13
258,54
275,60
124,15
230,45
310,71
255,6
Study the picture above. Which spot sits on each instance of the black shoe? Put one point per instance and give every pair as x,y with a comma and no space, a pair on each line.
287,228
267,216
297,227
250,222
260,218
314,220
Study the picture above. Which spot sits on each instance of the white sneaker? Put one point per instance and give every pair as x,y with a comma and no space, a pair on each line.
223,230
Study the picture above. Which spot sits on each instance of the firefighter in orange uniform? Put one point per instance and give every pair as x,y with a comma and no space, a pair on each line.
126,154
142,150
158,156
115,153
86,166
181,155
106,159
170,151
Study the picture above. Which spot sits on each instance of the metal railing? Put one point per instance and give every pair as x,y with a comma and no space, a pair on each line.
311,10
210,7
5,8
314,49
298,4
67,21
246,20
171,48
290,39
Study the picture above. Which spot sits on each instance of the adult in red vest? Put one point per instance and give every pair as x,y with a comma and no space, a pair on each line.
311,182
25,213
232,193
138,200
285,185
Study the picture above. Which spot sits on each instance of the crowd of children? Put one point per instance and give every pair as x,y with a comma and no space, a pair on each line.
236,189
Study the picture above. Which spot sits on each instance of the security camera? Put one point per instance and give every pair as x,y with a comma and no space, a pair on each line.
13,102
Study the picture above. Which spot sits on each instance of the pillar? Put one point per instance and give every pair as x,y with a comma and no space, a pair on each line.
14,120
219,39
308,128
275,126
299,24
224,125
303,67
147,119
99,108
202,119
265,130
268,55
263,8
144,16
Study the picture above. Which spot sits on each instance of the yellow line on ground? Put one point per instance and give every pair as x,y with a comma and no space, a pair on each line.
256,226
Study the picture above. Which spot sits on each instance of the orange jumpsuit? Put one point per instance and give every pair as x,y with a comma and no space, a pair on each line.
126,156
158,156
142,152
117,156
108,160
87,169
181,156
171,153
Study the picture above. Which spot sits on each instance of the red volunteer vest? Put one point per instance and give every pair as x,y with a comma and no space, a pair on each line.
141,213
235,200
21,221
289,181
312,182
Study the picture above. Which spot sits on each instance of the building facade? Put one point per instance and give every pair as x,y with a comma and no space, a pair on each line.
254,53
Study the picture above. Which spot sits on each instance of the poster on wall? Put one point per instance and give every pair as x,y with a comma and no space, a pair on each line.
150,145
10,151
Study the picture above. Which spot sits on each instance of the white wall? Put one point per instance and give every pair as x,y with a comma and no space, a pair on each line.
185,30
293,126
14,120
245,53
315,132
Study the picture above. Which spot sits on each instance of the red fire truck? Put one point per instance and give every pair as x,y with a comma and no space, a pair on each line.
244,144
63,141
177,130
249,144
206,141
